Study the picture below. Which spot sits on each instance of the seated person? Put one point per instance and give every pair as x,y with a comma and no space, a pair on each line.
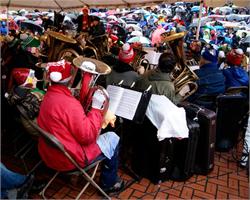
160,80
23,92
211,79
122,70
235,75
11,180
62,115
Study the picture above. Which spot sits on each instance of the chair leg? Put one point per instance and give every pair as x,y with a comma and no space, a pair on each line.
23,148
42,193
88,178
87,184
34,168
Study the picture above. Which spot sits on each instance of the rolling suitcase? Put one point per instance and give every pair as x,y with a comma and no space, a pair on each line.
151,158
230,110
204,161
185,152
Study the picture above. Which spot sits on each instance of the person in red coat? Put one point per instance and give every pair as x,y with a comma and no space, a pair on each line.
62,115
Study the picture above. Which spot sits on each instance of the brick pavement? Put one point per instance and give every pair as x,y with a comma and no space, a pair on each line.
226,181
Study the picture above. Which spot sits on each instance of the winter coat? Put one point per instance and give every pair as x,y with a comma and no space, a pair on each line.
62,115
161,84
235,76
211,81
122,71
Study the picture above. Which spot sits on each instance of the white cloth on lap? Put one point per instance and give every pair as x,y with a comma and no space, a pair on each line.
169,119
108,142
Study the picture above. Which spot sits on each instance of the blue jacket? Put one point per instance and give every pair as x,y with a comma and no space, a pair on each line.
235,76
211,81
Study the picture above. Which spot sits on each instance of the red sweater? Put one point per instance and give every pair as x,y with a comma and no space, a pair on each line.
62,115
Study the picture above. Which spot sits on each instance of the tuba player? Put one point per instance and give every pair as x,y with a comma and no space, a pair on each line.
62,115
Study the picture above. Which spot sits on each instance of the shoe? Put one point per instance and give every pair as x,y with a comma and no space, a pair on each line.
116,188
244,160
22,192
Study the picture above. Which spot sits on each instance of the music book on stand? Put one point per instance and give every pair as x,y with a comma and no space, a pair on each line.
128,103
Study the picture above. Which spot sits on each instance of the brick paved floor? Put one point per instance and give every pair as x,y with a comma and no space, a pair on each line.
226,181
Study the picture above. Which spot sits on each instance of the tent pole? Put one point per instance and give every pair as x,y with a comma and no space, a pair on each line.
199,21
7,16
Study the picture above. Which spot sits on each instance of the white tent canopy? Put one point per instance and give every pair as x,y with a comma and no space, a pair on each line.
77,4
74,4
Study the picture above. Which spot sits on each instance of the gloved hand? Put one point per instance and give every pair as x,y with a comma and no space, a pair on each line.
98,99
184,90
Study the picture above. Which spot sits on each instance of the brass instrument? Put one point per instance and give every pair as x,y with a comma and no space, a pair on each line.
89,78
139,59
57,42
182,74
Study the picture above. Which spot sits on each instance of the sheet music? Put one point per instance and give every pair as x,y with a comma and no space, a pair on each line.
128,104
115,95
123,102
153,57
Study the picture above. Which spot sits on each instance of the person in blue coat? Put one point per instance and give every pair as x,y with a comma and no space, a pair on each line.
235,75
211,81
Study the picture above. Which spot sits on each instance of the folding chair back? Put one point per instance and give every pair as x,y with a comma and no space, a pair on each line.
54,142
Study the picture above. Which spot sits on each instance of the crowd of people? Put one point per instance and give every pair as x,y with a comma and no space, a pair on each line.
220,50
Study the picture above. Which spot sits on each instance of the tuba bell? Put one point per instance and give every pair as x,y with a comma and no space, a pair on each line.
88,82
182,74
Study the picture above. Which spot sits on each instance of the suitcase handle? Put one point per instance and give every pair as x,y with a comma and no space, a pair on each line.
197,112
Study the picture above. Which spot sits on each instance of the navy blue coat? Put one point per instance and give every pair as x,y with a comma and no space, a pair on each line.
211,81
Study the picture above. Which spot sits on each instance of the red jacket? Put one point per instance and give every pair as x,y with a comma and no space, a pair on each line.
62,115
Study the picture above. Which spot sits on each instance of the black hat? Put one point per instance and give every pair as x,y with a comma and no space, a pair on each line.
94,18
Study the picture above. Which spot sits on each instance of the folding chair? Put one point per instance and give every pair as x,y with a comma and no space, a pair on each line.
54,142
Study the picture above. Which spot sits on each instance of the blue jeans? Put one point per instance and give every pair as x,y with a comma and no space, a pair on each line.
109,168
10,180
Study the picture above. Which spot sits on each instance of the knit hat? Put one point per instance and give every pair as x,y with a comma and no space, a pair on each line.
22,77
126,53
85,9
210,55
235,57
59,72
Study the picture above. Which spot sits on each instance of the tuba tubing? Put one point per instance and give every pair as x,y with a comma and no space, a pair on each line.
186,77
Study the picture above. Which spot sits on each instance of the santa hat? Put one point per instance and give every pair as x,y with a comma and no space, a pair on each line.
59,72
235,56
22,77
126,53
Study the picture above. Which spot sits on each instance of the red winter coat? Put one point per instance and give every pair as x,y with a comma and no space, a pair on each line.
62,115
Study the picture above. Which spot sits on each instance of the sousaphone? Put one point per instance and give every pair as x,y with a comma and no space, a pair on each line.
89,78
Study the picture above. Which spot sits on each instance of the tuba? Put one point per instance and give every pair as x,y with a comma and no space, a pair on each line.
139,58
182,74
88,82
56,43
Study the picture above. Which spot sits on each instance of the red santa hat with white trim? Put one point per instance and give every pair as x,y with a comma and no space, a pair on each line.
59,72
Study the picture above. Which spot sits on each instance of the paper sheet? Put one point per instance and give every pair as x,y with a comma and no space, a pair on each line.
123,102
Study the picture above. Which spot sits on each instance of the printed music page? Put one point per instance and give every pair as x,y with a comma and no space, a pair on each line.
115,95
153,57
123,102
128,104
